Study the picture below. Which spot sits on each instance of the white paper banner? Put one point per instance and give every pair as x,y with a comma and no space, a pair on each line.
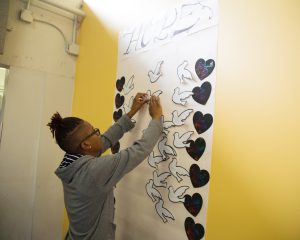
173,56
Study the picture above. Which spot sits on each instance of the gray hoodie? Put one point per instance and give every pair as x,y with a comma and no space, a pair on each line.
88,182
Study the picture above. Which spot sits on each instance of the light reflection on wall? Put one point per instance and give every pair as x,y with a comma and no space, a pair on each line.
119,14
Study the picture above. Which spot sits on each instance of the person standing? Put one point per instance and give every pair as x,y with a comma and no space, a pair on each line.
88,178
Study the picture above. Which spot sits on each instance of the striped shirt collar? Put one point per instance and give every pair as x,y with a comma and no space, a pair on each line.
68,159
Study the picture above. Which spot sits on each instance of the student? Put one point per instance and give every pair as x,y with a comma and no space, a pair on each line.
88,178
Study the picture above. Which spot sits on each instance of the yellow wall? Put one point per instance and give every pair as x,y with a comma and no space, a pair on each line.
95,72
95,76
255,176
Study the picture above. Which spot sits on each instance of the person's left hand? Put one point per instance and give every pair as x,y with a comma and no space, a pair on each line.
139,100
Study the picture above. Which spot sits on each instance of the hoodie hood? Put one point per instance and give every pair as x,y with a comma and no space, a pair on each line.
70,165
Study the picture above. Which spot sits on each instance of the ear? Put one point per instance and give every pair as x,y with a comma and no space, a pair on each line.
85,145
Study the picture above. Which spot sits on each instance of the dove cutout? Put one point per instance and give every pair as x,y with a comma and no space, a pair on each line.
177,195
183,73
182,141
165,149
160,180
177,171
127,107
154,160
177,119
156,93
165,131
156,74
129,86
152,191
162,211
179,97
166,124
203,11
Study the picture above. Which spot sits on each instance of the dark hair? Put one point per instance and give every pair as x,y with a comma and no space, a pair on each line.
61,127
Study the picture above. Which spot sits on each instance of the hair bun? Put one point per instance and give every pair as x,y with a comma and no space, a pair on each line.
56,122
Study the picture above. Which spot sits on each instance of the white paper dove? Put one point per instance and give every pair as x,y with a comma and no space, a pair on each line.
163,212
156,93
152,191
181,141
179,97
183,73
165,149
154,160
166,124
165,131
127,106
160,180
128,87
178,119
156,74
177,171
178,194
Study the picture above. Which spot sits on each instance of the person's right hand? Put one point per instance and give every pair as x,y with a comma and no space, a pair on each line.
155,109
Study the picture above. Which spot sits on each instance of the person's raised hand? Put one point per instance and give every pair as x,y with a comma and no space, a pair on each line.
155,109
139,100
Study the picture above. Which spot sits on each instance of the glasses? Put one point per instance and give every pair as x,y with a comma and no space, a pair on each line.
96,131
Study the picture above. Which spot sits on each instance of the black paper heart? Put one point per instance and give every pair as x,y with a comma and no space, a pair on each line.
120,83
193,204
201,94
193,231
204,68
115,149
117,114
119,100
202,123
196,149
198,177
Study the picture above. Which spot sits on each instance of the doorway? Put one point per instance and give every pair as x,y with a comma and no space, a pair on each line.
3,82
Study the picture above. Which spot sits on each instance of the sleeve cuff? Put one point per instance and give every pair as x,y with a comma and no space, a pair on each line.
126,123
157,124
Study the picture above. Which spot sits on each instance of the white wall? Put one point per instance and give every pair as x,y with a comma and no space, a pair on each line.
40,82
